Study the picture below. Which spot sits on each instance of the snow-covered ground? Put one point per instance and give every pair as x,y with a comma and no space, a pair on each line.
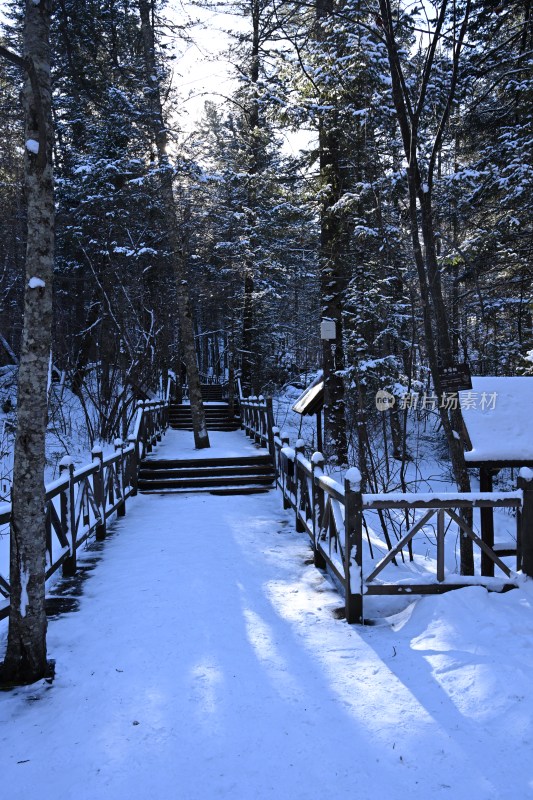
206,661
223,444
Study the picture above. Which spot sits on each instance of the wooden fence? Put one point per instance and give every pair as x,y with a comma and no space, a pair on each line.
80,501
333,517
257,419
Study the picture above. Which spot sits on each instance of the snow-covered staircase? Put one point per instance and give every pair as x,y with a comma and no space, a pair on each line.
247,474
211,392
216,416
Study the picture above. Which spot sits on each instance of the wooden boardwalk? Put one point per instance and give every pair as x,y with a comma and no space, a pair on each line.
205,661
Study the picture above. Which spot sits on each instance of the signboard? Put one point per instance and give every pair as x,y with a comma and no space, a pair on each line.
455,379
328,329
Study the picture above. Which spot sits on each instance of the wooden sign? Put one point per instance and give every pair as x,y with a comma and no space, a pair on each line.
455,379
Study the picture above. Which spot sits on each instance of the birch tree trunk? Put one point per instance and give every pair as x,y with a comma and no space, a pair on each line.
25,659
177,239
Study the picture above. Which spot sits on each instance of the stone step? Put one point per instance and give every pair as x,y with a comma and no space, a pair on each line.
205,482
212,415
238,470
201,463
233,475
211,426
224,490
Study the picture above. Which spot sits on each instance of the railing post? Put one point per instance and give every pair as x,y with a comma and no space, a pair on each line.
253,434
525,545
353,543
68,511
261,419
317,465
284,443
487,522
48,533
149,425
160,423
270,427
142,430
134,477
257,426
298,448
441,532
275,453
119,448
99,493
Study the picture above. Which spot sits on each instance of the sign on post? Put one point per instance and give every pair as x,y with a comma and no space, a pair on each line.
328,329
455,379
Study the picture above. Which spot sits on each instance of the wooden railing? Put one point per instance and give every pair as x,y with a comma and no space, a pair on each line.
332,514
257,419
81,501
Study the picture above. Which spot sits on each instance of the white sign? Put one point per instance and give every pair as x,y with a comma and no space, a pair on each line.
328,329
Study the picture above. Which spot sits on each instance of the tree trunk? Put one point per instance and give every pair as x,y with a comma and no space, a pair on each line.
177,240
25,659
333,279
249,374
436,323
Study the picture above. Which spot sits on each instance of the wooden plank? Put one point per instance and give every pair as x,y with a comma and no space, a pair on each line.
497,465
55,488
440,544
480,543
112,459
331,487
525,525
331,564
379,589
78,505
302,516
353,546
511,501
5,588
87,532
92,502
339,513
57,526
401,544
487,522
84,472
55,566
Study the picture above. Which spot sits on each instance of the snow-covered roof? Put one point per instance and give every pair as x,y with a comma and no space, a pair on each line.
498,416
311,401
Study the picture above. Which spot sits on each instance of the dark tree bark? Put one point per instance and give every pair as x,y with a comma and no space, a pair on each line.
248,373
176,236
333,273
437,335
25,659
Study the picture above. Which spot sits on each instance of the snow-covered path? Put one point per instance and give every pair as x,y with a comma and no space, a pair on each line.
223,444
205,661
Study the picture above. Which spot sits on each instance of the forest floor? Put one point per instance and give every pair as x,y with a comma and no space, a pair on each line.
206,660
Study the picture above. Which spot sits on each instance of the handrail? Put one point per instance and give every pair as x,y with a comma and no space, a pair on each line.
171,380
79,502
332,514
